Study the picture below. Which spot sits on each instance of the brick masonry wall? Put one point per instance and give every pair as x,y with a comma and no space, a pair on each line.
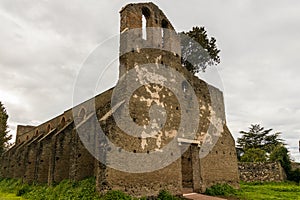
263,172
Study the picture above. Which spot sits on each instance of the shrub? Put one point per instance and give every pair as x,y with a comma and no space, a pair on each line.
23,190
220,190
294,176
254,155
165,195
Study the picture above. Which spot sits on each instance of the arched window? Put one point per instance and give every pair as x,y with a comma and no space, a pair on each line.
184,86
144,27
164,34
48,128
27,137
36,132
145,17
82,113
63,122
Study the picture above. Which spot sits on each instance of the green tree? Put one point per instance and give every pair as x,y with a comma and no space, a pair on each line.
4,136
259,138
197,57
258,145
254,155
281,154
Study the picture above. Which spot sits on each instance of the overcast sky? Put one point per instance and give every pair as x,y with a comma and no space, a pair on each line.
44,43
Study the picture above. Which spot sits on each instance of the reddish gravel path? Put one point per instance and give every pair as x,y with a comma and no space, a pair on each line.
195,196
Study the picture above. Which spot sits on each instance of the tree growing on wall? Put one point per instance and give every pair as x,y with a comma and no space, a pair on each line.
4,136
203,55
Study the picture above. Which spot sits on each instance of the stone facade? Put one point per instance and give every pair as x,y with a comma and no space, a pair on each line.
261,172
56,149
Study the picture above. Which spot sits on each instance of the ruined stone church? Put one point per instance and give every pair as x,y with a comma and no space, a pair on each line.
139,155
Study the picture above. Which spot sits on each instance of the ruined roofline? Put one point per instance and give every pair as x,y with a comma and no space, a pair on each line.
55,121
152,7
27,127
131,18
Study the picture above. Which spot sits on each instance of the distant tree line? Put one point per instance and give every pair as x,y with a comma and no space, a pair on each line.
4,135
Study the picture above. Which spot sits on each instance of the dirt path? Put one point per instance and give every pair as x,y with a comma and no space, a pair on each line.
195,196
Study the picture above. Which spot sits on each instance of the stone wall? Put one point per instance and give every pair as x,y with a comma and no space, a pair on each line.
22,130
295,165
262,172
52,156
220,165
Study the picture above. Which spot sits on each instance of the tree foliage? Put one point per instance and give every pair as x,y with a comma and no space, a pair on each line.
259,145
254,155
281,154
202,50
259,138
4,136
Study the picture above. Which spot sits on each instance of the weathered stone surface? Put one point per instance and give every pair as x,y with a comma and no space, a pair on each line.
295,165
262,171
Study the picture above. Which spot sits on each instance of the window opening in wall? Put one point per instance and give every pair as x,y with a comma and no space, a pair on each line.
145,17
164,25
184,86
82,113
48,128
63,122
144,27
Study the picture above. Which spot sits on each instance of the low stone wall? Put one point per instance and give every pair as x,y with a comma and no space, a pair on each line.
262,171
295,165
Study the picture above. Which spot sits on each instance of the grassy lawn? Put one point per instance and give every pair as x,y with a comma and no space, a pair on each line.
85,189
9,196
257,191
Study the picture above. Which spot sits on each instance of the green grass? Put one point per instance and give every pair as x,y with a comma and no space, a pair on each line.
268,191
11,189
221,190
69,190
258,191
9,196
14,189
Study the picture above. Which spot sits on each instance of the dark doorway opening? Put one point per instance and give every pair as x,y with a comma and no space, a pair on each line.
190,168
187,168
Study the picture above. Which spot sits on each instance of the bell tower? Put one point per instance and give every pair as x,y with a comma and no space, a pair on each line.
147,36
